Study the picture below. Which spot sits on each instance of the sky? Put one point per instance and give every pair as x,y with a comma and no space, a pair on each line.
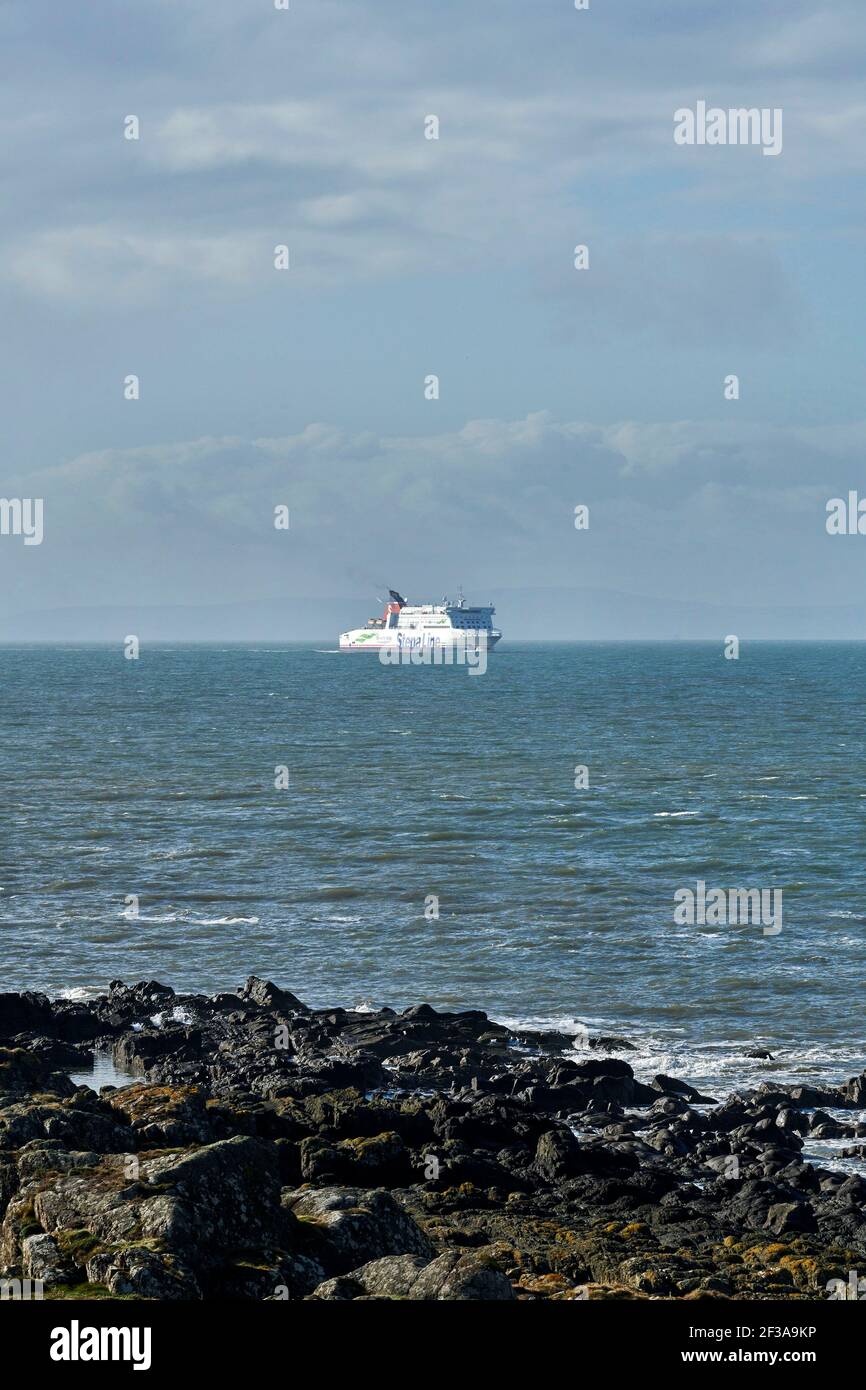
411,257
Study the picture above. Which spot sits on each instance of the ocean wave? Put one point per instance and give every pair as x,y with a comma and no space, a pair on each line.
189,852
129,915
224,921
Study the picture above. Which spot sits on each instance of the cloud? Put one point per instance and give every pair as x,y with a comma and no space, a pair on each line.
83,261
724,509
259,126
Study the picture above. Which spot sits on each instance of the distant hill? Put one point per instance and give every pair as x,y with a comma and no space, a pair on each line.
546,614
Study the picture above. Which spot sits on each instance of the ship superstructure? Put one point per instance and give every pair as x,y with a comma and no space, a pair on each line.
424,626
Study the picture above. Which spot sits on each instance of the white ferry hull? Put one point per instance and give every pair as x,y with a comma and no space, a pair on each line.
363,640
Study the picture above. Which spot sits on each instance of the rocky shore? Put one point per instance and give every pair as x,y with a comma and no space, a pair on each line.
271,1151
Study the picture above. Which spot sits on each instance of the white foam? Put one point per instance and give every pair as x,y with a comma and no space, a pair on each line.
224,921
177,1015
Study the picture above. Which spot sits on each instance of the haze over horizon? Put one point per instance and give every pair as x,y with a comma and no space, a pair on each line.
527,614
411,257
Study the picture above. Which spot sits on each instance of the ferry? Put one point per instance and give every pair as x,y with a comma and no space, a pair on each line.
424,626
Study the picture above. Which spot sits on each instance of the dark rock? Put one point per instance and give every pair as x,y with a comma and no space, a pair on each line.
162,1116
364,1071
268,996
604,1043
41,1258
546,1041
137,1053
143,1273
24,1071
789,1216
622,1090
349,1227
186,1208
792,1122
602,1067
24,1013
382,1160
670,1085
171,1187
453,1276
811,1097
557,1156
854,1091
276,1276
342,1289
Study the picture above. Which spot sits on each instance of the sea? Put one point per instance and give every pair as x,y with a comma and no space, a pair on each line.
512,841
